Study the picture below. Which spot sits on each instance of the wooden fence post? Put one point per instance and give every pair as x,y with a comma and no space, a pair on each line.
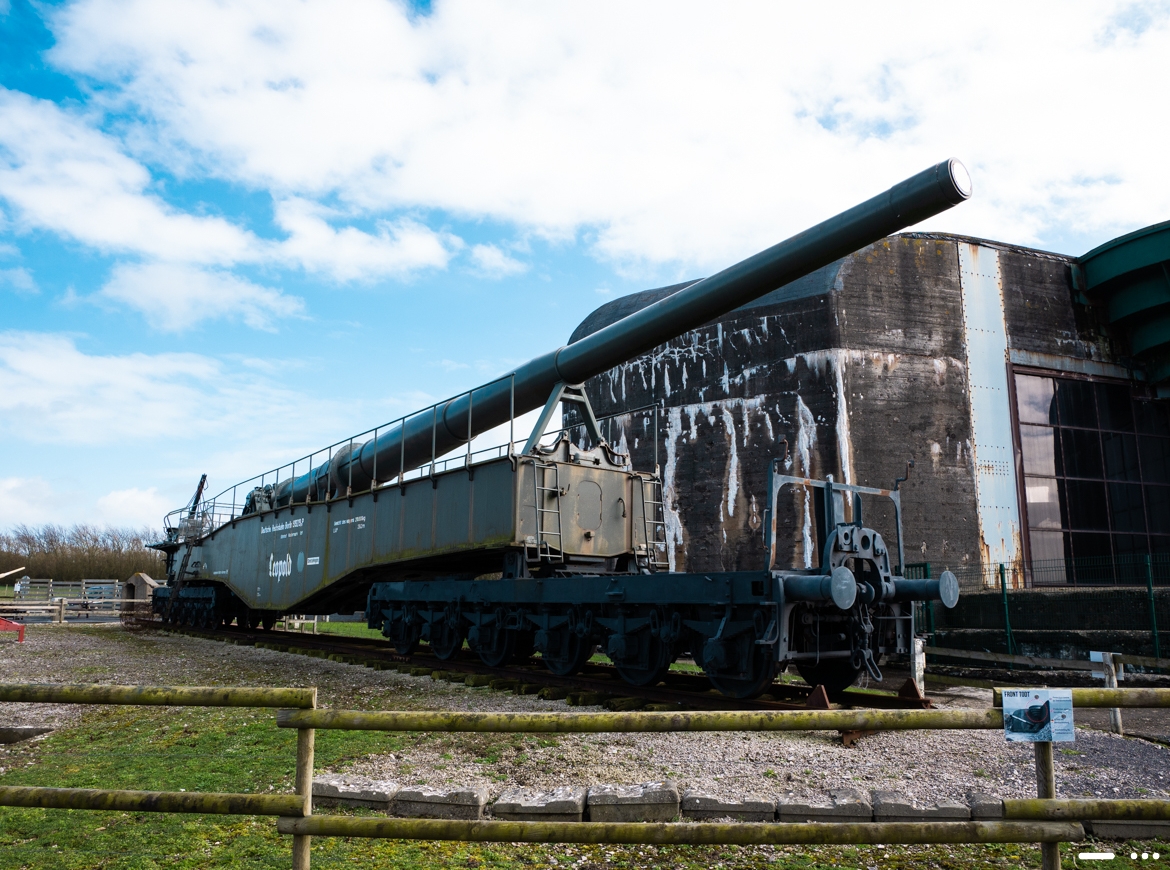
302,843
1109,667
1046,788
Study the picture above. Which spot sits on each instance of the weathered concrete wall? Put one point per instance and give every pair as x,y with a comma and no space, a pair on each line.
860,366
1041,311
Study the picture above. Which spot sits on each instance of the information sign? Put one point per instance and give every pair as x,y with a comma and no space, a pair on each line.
1038,715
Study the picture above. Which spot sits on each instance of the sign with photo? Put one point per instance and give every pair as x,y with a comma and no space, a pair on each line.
1038,715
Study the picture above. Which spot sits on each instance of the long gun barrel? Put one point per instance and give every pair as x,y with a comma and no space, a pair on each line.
431,434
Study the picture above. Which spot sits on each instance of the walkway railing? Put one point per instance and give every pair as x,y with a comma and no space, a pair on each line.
1045,820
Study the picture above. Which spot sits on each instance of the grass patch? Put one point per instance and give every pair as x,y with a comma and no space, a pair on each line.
348,629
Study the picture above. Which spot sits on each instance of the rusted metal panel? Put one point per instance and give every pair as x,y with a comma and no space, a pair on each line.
993,452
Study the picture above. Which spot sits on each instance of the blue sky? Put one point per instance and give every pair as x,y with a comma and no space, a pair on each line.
231,234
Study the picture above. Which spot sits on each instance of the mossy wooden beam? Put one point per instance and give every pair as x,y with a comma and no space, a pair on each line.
153,801
743,833
737,720
166,696
1149,698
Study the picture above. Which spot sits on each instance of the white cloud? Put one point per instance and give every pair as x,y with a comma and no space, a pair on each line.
51,392
176,297
676,133
60,174
491,262
133,508
19,279
36,501
28,500
349,254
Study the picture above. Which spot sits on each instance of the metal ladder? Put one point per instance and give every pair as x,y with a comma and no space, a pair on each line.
653,525
543,549
180,579
190,530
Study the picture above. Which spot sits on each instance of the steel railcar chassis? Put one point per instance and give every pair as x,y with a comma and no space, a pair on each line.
832,622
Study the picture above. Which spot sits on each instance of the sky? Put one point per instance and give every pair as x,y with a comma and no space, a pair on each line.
233,233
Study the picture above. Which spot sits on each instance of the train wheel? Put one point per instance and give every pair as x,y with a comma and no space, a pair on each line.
650,667
836,675
408,644
268,621
758,677
500,646
252,620
447,636
572,654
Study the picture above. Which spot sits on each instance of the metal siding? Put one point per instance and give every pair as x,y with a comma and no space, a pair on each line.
991,426
316,547
452,509
493,505
418,517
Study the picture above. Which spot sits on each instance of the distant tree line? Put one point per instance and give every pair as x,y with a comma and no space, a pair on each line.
79,552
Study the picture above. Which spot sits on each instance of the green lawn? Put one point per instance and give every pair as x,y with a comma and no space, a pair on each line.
349,629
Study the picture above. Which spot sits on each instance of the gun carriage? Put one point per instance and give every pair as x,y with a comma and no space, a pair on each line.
559,548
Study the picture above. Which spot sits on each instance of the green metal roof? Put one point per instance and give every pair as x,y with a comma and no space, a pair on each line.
1130,277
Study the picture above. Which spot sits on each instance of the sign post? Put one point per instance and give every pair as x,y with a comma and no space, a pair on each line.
1040,717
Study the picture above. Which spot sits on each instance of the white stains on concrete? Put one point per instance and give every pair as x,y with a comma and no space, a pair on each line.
806,442
732,487
674,529
844,442
935,454
940,372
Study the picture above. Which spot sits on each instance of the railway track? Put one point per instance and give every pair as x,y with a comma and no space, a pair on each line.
596,684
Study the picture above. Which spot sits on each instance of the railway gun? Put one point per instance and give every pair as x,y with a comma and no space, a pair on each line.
559,548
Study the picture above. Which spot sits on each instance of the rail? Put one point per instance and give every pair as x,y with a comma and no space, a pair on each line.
1044,820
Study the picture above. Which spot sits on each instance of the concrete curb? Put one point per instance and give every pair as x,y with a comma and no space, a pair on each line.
660,802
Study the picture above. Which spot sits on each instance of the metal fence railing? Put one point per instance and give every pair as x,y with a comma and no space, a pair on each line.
1126,570
1126,594
1045,820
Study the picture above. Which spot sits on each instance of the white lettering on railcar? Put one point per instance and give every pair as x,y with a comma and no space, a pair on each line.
279,568
281,527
